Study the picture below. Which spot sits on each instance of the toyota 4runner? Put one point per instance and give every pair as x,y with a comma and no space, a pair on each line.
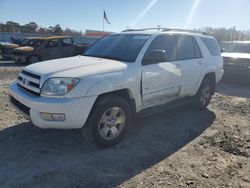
120,75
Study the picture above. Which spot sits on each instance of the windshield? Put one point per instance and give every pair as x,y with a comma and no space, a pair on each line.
239,47
121,47
32,42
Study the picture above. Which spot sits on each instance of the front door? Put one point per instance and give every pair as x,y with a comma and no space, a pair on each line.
68,48
161,81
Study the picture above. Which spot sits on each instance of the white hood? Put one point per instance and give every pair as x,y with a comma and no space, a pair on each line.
78,66
236,55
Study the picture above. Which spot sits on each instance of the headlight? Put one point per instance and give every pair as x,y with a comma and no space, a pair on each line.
58,86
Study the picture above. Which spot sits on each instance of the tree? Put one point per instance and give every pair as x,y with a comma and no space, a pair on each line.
12,27
57,30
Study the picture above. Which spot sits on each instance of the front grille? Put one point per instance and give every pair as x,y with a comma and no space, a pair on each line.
29,81
238,63
236,60
20,106
29,91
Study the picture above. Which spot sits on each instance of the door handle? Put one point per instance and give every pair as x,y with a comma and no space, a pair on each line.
200,62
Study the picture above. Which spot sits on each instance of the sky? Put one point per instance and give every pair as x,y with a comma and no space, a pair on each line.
88,14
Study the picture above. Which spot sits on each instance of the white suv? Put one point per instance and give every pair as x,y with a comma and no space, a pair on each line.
120,75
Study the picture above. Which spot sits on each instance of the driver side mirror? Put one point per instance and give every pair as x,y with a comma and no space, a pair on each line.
155,56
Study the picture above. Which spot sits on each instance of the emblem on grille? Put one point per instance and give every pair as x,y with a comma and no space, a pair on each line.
24,81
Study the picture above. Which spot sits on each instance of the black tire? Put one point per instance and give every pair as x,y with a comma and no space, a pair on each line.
33,59
92,129
204,94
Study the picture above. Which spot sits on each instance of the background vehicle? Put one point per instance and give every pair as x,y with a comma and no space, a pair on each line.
120,75
6,49
237,60
45,48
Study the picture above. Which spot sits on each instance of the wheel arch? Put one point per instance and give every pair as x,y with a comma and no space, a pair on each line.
212,77
123,93
209,75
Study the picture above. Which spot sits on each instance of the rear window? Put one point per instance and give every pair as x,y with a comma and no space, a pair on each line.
212,46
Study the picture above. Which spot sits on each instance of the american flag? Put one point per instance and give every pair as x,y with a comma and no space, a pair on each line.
105,17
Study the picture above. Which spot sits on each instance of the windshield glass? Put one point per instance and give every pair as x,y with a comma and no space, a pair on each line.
239,48
122,47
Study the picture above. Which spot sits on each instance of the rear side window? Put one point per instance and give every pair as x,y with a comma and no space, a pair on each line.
212,46
187,48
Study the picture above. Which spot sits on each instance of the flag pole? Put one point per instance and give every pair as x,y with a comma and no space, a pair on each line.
103,21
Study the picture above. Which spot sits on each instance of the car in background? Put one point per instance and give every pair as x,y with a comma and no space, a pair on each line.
237,60
6,49
45,48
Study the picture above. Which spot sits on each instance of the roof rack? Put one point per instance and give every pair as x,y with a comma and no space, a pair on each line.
184,30
165,29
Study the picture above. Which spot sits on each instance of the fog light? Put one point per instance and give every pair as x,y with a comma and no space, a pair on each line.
52,117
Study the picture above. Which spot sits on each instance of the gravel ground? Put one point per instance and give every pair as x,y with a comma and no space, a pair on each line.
176,148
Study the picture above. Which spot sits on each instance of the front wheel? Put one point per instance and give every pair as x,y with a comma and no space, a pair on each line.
108,121
204,94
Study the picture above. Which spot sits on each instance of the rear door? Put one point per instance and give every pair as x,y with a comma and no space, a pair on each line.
161,81
68,48
191,63
53,49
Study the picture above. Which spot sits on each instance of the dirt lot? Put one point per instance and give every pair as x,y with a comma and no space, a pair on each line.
176,148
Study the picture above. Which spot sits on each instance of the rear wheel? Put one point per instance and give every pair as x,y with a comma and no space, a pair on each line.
204,94
108,121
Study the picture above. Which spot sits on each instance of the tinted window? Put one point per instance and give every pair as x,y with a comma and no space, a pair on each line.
32,42
212,46
166,43
122,47
67,42
187,48
52,43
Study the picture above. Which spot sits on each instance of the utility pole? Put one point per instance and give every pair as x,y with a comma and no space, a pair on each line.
103,20
234,30
158,26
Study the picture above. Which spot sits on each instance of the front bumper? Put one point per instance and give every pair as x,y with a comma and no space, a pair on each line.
219,75
76,110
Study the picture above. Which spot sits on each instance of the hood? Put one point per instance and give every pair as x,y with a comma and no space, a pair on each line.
236,55
24,49
9,45
78,66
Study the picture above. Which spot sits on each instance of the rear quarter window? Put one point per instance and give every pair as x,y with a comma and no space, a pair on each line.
212,46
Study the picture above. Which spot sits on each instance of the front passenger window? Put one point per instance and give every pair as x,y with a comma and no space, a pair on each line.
162,44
